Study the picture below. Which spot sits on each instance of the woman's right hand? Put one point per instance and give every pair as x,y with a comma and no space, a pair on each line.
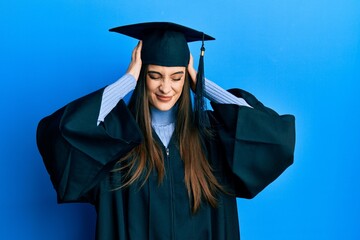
135,64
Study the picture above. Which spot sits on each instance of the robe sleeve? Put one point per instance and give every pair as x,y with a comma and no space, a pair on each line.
259,143
77,152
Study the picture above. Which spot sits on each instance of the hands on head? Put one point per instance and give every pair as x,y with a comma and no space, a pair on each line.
136,63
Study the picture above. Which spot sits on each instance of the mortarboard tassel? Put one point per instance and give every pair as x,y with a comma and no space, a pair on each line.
200,107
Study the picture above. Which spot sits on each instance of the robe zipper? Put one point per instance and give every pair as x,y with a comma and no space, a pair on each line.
171,193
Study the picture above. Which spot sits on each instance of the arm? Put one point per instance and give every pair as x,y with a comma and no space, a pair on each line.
219,95
119,89
114,93
214,92
76,151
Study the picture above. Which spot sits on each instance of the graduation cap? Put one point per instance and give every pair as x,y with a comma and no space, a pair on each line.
166,44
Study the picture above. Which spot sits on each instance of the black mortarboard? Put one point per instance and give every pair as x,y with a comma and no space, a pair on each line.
165,44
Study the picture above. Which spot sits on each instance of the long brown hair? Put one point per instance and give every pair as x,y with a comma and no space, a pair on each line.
146,157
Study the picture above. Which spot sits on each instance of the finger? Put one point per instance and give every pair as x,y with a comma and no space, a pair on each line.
133,53
138,49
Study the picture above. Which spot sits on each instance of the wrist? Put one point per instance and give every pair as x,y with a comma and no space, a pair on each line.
133,72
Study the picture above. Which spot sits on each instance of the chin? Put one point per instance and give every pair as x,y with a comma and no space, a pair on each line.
162,106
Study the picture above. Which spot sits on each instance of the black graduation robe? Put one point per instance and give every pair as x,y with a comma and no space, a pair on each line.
250,149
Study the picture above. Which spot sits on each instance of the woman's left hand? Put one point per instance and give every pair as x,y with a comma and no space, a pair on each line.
192,73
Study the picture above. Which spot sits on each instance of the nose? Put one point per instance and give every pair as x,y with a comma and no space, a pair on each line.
165,86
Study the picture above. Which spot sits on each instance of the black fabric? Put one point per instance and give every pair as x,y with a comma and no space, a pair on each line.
258,144
250,149
141,30
164,43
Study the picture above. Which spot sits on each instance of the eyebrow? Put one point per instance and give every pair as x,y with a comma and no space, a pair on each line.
155,72
179,72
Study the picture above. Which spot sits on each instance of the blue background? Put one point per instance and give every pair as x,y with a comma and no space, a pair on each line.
299,57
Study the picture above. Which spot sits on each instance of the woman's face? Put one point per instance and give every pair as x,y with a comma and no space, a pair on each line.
164,85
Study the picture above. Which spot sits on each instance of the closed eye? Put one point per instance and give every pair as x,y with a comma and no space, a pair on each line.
177,76
154,75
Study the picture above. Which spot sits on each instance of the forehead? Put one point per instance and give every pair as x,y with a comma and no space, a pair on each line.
165,70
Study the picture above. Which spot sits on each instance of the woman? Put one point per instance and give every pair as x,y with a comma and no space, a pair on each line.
155,169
